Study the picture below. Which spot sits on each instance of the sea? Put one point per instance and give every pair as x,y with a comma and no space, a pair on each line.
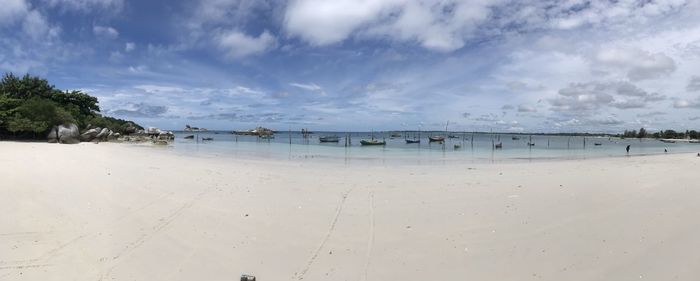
457,147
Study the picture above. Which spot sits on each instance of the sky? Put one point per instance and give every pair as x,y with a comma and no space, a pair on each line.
488,65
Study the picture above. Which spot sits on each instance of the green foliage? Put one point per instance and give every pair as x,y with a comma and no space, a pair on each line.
642,133
117,125
37,116
30,106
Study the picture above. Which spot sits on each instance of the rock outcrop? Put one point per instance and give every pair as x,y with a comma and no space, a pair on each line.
90,134
130,129
68,134
102,135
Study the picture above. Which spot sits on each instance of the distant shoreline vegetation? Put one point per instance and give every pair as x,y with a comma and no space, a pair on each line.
30,107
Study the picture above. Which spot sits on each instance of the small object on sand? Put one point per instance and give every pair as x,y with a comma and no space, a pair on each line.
246,277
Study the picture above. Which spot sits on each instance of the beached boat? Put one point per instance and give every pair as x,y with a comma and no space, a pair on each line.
372,142
436,138
329,139
412,140
190,137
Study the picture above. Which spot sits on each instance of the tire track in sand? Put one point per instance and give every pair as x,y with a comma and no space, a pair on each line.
370,238
334,221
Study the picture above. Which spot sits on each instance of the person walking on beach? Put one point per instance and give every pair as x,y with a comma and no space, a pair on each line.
628,149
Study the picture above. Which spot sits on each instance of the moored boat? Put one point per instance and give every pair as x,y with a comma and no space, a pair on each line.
329,139
190,137
207,139
372,142
412,140
436,138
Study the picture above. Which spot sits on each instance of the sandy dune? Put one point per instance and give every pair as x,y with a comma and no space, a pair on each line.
119,212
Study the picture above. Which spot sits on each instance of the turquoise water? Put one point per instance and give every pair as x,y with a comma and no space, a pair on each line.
477,147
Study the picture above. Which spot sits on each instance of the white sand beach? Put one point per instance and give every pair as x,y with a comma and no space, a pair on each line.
120,212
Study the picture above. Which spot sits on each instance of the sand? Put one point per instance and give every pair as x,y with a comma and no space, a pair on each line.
119,212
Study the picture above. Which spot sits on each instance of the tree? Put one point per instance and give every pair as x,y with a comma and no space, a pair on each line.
642,133
669,134
37,116
26,88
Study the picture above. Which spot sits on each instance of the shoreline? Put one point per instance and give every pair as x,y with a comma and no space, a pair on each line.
110,212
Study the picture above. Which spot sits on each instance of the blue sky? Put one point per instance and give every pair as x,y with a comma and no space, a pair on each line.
501,65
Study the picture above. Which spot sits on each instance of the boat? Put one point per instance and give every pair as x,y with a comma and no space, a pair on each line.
531,144
413,141
329,139
190,137
207,139
498,145
597,143
436,138
457,146
395,135
372,142
515,138
267,137
668,140
453,136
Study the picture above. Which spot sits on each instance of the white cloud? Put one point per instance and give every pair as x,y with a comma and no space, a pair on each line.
36,26
580,97
105,32
12,10
447,25
309,87
152,89
526,108
440,26
237,44
687,103
87,5
693,84
130,46
639,64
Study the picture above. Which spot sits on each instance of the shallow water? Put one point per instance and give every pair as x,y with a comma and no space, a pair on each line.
477,147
